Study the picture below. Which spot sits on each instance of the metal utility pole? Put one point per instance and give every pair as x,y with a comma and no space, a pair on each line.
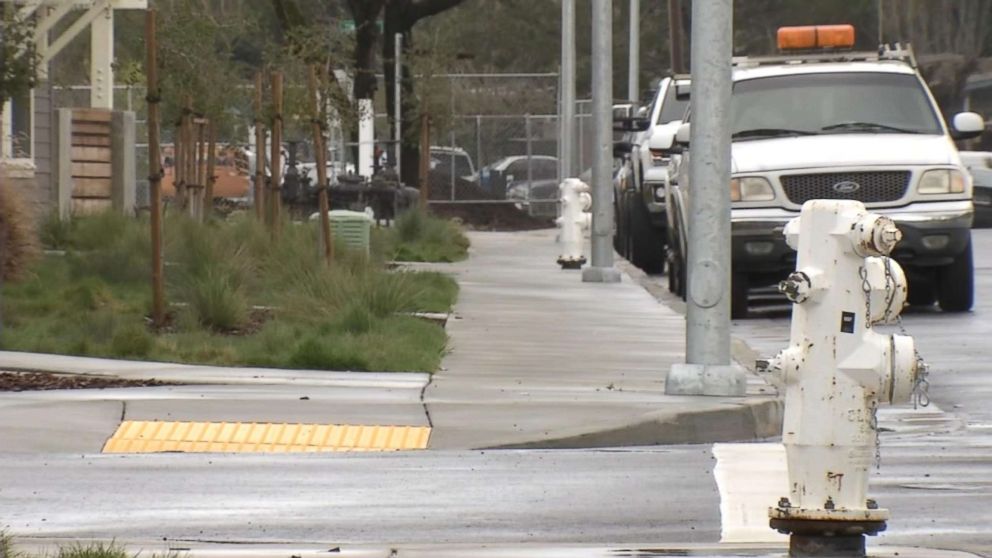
567,113
708,369
602,270
397,98
634,44
675,35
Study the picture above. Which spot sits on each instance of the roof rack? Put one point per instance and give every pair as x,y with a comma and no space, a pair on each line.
896,51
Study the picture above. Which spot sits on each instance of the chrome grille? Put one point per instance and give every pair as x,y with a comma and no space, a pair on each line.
874,187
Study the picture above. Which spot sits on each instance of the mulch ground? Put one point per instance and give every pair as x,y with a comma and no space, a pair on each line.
491,217
34,381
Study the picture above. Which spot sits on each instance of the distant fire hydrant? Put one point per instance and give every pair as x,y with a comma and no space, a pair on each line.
573,221
836,371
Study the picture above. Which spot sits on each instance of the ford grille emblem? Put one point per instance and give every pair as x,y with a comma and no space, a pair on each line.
846,187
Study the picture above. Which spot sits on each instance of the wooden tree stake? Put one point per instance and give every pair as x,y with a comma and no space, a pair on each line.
425,158
208,198
154,170
259,151
321,160
275,197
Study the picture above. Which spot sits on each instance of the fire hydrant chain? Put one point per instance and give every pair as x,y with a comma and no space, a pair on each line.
866,289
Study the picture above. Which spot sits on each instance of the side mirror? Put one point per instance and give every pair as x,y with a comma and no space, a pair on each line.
627,118
621,149
623,111
662,139
682,89
682,136
967,125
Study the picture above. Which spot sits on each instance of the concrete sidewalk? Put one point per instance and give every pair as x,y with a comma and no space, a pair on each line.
540,359
537,359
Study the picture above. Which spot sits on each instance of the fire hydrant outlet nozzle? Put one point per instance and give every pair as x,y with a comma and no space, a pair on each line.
836,371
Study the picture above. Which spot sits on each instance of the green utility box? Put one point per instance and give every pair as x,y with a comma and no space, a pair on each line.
352,229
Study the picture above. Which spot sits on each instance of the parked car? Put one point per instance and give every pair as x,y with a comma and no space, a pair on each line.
539,198
496,177
450,161
979,164
840,125
642,179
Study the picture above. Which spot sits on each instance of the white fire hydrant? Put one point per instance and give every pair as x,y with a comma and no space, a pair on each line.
836,371
574,219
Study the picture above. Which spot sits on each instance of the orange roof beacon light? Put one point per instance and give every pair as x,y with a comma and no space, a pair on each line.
811,37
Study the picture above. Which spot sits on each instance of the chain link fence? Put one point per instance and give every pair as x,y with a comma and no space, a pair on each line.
495,137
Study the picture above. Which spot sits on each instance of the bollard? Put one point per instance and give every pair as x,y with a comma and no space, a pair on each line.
836,371
574,219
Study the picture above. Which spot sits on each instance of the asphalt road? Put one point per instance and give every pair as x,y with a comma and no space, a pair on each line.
935,477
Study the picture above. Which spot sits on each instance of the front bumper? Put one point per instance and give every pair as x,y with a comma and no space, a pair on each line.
934,234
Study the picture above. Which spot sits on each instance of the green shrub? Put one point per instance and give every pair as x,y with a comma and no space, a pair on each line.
410,225
56,233
211,274
216,300
113,247
95,232
419,237
132,341
356,318
327,354
93,550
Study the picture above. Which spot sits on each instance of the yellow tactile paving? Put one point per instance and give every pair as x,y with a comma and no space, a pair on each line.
137,436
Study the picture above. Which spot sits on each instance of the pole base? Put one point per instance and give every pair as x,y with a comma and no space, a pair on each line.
814,538
727,380
600,275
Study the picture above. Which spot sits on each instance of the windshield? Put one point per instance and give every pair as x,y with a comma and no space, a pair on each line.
442,162
672,109
851,102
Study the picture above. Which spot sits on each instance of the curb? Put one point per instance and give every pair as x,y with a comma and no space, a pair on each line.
744,422
201,374
748,421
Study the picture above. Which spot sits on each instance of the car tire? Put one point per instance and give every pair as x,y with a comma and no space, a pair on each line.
921,292
956,283
647,243
675,257
739,287
619,235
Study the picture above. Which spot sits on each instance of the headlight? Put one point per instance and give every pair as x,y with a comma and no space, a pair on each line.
751,189
941,181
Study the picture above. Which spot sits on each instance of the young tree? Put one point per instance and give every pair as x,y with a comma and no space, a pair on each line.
18,57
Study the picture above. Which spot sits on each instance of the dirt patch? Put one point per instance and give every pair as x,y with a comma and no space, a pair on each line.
35,381
256,320
491,217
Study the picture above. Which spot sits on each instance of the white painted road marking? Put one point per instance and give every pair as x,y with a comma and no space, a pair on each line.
751,478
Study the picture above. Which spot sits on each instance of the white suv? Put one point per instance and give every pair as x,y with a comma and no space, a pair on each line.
845,125
643,178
